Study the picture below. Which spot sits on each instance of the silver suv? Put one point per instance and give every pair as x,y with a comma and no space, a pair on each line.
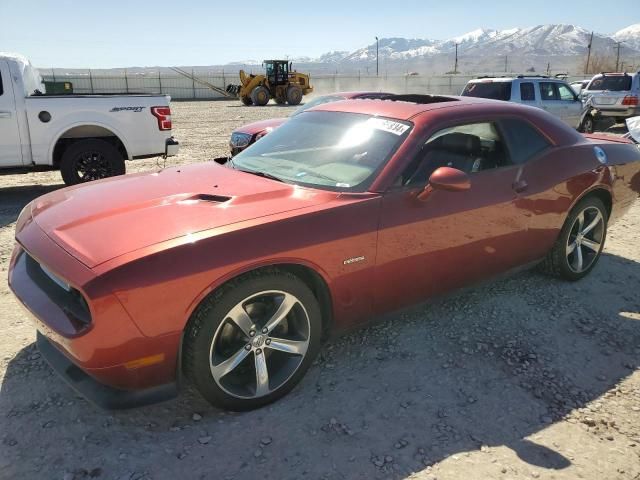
550,94
614,95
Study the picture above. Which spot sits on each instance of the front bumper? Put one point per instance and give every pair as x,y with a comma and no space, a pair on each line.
108,351
98,393
171,147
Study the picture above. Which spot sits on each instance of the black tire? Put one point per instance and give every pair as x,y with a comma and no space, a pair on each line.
260,96
210,319
246,101
91,159
280,100
588,124
558,261
294,95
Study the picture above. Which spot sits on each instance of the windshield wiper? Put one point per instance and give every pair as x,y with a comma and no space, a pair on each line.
259,173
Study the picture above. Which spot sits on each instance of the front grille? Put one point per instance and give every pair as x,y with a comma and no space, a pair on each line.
70,300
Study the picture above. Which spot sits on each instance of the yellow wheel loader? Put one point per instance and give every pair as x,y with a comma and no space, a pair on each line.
279,82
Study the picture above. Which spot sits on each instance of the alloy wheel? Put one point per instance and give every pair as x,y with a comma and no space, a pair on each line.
585,239
92,166
260,344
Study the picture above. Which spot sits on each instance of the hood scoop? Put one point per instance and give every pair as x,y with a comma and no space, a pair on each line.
205,197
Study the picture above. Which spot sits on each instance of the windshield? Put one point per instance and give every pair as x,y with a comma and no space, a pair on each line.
614,83
332,150
490,89
317,101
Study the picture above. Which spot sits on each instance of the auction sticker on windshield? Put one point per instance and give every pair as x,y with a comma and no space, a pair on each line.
390,126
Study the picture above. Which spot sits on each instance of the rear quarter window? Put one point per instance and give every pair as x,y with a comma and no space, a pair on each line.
523,140
488,89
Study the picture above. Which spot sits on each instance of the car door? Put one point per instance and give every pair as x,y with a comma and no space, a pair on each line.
450,239
539,200
550,100
10,148
572,106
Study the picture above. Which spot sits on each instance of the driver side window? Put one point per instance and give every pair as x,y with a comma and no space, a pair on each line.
472,148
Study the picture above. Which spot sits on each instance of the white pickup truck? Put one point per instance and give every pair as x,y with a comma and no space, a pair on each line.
87,137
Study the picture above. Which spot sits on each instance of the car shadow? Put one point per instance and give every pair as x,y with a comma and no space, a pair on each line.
489,366
13,199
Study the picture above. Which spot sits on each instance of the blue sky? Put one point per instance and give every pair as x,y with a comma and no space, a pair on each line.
118,33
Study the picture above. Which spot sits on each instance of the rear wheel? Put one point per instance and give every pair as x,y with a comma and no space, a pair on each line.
581,241
249,343
246,101
280,100
90,159
294,95
260,96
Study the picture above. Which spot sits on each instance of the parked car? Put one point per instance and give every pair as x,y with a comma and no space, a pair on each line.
611,96
550,94
244,136
234,274
87,137
579,86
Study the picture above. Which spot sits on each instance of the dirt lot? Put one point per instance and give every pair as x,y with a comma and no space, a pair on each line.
526,377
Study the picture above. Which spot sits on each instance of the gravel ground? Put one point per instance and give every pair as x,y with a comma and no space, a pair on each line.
524,377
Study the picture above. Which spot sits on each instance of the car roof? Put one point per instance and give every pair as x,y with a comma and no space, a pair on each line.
405,107
522,78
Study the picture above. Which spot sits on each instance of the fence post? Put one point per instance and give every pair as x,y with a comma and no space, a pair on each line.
126,81
91,81
53,74
159,80
193,84
224,82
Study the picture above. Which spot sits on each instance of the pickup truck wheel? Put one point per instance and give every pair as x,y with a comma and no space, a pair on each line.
89,160
250,342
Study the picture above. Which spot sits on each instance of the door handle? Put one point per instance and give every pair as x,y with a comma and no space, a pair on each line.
5,114
520,186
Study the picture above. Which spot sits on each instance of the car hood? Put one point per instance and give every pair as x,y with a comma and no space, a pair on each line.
102,220
261,126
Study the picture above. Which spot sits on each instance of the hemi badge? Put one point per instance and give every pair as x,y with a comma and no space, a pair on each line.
349,261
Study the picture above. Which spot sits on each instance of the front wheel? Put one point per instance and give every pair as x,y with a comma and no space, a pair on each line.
588,124
251,341
90,159
581,241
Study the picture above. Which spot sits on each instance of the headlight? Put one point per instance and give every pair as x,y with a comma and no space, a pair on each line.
24,218
240,140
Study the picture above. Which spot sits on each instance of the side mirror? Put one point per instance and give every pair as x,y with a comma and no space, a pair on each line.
446,178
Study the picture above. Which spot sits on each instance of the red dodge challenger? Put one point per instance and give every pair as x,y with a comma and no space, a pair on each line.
248,134
232,275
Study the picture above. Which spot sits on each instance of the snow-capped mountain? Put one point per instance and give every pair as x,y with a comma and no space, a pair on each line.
538,40
630,36
557,46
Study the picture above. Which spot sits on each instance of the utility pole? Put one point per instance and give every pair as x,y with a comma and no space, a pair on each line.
548,68
377,57
618,44
455,67
586,67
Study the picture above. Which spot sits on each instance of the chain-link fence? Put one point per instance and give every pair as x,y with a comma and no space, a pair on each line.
183,88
